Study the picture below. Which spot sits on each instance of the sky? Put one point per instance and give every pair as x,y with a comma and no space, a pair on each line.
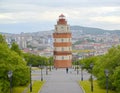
18,16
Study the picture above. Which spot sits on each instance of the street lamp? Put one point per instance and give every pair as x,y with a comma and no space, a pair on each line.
46,67
106,73
50,65
10,73
81,72
77,67
41,67
91,67
30,79
74,65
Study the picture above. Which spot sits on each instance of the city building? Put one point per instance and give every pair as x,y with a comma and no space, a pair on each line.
62,44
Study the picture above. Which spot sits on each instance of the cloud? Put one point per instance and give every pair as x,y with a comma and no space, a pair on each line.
66,3
82,12
52,14
108,19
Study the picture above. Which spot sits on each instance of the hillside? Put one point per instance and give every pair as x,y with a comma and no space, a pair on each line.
91,30
77,30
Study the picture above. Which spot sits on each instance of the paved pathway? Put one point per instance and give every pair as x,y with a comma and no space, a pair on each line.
58,81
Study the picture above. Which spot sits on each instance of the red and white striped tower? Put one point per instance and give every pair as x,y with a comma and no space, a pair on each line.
62,44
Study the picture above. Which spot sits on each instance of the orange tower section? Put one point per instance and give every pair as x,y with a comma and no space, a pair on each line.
62,44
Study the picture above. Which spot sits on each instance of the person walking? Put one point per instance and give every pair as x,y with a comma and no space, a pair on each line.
66,70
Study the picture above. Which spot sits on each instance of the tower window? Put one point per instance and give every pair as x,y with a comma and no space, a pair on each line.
54,57
61,27
62,39
56,28
62,57
54,39
69,39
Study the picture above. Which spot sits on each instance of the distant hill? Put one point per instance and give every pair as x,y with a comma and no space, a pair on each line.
91,30
4,33
1,32
77,30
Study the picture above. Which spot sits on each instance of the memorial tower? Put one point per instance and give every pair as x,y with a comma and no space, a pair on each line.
62,44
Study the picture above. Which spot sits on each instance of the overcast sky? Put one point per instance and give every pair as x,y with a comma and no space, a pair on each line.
38,15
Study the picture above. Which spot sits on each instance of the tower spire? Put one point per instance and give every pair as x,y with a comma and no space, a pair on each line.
62,20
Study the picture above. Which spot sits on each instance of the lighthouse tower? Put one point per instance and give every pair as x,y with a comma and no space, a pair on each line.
62,44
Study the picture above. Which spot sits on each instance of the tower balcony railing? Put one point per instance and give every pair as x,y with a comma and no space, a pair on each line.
62,44
62,52
62,35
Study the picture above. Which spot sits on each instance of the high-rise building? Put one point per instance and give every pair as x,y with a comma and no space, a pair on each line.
62,44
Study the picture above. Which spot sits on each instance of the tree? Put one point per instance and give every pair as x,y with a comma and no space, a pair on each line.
35,60
116,77
15,48
87,61
2,40
10,60
50,60
110,61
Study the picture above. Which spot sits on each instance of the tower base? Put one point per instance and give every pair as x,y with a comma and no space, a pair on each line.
62,63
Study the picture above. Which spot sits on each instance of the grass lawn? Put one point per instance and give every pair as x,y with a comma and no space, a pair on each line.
35,68
19,89
35,74
87,87
37,85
